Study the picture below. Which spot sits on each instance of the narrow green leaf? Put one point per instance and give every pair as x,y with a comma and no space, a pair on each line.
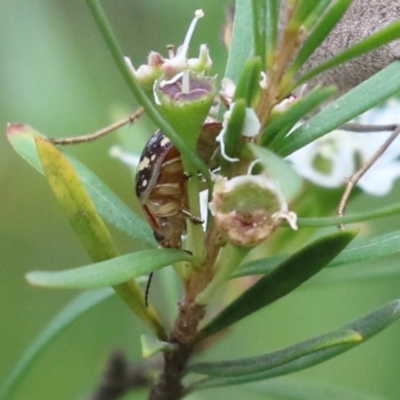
290,389
110,272
360,250
302,12
152,346
233,134
367,327
259,8
109,206
112,209
249,82
242,40
384,272
321,31
315,16
277,130
294,271
348,218
75,202
254,365
360,99
151,111
262,266
75,309
83,217
290,183
22,139
369,249
272,29
378,39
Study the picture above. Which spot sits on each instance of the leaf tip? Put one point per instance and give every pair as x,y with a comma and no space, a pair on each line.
17,128
354,336
396,308
152,346
33,278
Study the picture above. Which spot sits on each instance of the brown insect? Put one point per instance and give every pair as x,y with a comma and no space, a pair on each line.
161,183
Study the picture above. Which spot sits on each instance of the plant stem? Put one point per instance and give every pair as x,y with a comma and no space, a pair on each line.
195,237
184,333
228,261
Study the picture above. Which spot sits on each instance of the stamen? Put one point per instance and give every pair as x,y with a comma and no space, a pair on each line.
186,82
172,80
252,165
182,52
220,139
171,51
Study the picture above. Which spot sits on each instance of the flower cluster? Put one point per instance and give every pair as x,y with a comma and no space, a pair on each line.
330,160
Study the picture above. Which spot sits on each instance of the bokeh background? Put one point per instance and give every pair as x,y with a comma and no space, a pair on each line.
57,76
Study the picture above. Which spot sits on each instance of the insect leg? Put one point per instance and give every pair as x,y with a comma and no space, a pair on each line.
192,218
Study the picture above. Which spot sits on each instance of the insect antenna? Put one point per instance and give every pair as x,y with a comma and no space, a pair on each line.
147,291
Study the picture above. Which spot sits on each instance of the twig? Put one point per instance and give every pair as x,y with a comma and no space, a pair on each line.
102,132
357,176
119,378
361,128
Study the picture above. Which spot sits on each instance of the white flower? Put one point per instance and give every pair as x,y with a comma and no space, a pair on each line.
168,67
332,159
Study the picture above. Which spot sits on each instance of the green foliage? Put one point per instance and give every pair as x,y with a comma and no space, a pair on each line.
360,99
241,48
325,24
137,91
248,84
286,277
255,365
151,346
209,258
282,124
111,272
75,309
109,206
360,250
351,335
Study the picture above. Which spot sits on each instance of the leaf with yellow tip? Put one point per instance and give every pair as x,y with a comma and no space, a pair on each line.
83,216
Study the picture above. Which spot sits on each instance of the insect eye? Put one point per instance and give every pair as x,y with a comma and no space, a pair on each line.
158,236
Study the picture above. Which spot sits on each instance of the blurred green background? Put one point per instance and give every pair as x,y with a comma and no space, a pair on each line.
57,76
